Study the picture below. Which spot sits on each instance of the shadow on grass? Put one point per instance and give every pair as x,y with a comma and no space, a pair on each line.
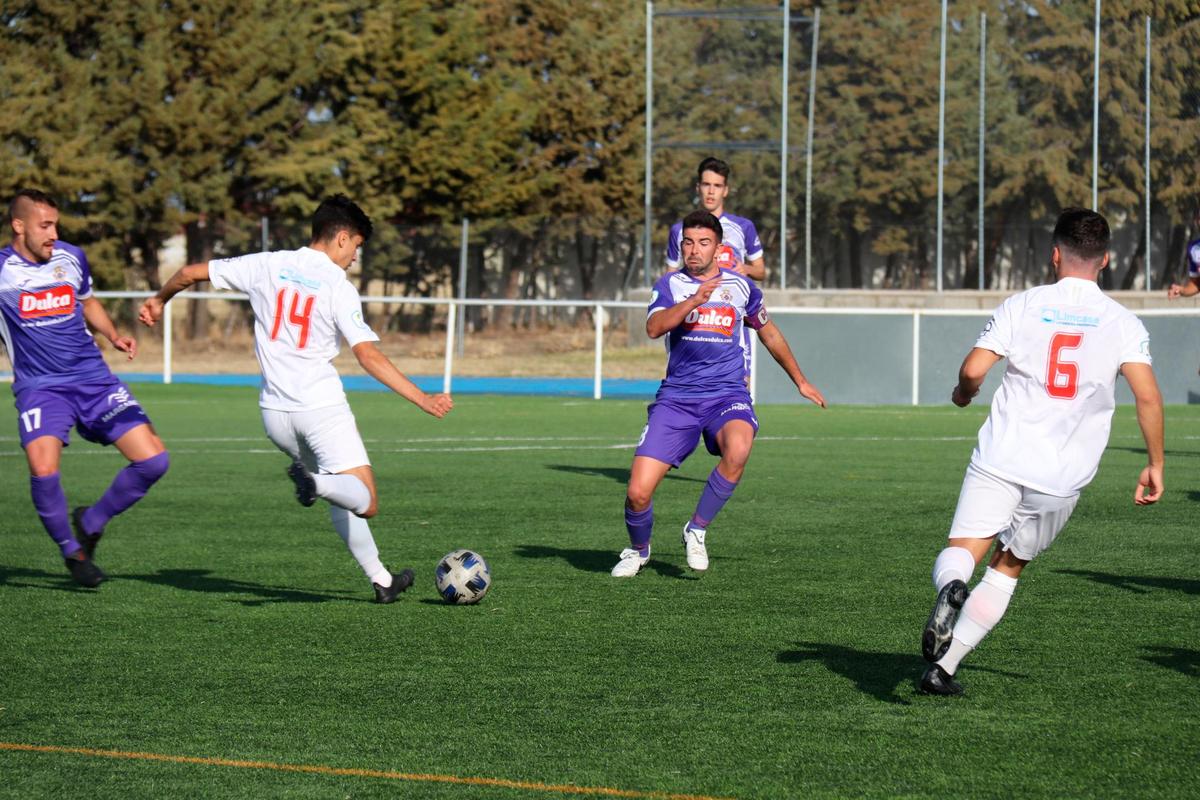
202,580
618,474
1139,584
880,675
23,578
1179,659
599,561
1171,453
1194,496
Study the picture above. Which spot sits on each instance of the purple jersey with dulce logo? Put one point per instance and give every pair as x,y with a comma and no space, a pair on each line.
739,240
42,323
708,355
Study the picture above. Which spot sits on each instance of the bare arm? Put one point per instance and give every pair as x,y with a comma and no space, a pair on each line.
381,368
1150,419
971,374
1184,290
668,319
99,322
152,310
777,346
756,270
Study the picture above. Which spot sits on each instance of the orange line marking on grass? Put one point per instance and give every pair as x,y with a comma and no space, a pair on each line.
316,769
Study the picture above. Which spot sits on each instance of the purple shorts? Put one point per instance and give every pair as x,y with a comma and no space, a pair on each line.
101,412
674,426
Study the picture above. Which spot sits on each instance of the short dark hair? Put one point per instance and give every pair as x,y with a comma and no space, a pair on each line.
1082,233
702,219
32,195
711,164
340,213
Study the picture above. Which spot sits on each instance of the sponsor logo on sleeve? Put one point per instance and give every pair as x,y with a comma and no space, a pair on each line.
53,302
1144,347
1194,259
712,319
763,319
726,257
359,321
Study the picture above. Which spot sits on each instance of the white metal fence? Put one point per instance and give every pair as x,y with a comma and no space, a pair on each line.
849,331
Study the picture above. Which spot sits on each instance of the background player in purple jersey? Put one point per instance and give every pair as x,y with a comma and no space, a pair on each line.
1193,273
60,379
702,310
740,248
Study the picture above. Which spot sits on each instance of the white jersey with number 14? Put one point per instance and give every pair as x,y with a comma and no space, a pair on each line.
1050,417
302,301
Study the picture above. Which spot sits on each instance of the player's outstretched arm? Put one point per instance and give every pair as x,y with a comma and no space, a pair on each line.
1184,290
381,368
1148,401
971,374
152,310
777,346
668,319
99,322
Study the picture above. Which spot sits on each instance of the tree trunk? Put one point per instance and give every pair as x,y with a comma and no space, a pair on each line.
199,250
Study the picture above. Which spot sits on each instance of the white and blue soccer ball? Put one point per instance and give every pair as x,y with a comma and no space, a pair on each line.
463,577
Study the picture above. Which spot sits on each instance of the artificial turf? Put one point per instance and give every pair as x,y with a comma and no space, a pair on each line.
236,627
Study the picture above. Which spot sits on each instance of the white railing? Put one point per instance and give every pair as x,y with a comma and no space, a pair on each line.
599,309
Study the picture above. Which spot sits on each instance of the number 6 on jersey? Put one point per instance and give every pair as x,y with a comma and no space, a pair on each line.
1062,377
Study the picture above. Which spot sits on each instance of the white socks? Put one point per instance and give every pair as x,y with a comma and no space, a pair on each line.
346,491
953,563
356,533
983,609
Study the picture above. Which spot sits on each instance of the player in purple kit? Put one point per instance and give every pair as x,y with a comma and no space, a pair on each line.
702,309
740,248
60,379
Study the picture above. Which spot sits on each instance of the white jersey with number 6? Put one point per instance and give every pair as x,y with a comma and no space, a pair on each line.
1050,418
301,302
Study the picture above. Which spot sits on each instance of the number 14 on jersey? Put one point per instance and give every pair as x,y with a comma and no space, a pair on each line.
299,314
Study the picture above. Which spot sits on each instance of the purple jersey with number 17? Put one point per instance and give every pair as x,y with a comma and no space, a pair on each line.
42,323
708,355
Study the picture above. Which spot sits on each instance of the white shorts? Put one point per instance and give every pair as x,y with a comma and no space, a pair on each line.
325,440
1027,521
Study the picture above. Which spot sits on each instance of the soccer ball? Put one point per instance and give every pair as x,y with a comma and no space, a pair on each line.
463,577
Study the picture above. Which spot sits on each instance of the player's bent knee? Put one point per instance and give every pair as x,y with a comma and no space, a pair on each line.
637,499
153,468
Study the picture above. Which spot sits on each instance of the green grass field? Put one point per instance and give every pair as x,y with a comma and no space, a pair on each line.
235,627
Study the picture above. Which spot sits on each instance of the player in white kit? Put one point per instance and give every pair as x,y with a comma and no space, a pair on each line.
1041,444
302,302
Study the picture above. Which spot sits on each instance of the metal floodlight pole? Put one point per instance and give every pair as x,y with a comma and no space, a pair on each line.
783,146
982,135
1096,116
941,144
649,167
1147,153
462,283
808,150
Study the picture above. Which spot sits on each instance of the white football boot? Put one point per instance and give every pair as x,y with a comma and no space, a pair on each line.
630,564
693,543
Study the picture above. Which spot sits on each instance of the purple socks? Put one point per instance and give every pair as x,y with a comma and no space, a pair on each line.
712,499
130,485
51,505
640,525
